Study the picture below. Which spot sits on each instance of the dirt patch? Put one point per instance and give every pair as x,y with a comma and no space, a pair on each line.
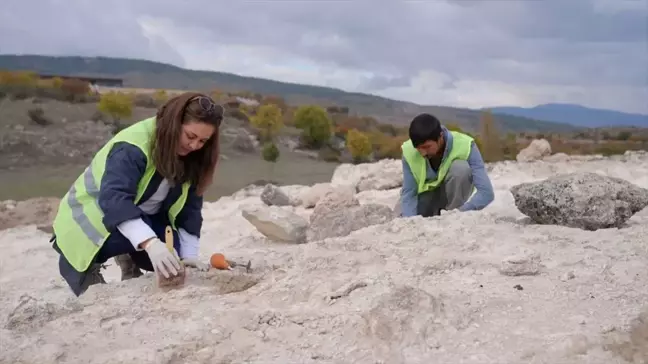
39,211
52,145
72,133
15,112
631,346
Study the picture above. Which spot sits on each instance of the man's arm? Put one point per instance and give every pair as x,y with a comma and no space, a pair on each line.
409,197
481,181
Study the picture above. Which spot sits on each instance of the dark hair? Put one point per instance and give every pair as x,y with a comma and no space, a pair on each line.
424,127
198,166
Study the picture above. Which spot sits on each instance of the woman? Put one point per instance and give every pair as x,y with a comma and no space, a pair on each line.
149,175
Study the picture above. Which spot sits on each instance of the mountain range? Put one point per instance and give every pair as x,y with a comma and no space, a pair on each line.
138,73
576,115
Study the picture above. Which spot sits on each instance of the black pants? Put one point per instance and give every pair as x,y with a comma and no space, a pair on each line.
453,192
116,244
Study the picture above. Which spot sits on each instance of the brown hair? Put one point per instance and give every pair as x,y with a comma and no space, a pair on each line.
198,166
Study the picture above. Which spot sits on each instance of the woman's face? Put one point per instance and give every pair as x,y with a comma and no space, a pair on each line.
193,136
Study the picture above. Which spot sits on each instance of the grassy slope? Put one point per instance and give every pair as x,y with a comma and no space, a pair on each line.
147,74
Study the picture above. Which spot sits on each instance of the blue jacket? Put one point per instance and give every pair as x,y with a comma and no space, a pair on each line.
125,166
481,199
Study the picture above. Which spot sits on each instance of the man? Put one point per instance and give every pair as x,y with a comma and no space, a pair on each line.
441,169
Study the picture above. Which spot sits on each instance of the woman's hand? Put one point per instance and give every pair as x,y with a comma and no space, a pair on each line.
162,259
193,262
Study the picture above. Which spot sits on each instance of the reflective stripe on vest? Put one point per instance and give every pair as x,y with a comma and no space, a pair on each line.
78,224
461,146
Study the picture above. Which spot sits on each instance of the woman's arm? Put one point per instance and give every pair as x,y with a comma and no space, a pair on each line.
189,223
190,217
125,167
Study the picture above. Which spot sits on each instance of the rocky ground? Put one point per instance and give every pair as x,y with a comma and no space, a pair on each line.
337,278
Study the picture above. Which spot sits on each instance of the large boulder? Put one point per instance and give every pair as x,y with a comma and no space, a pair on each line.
310,196
342,222
385,174
339,213
337,198
244,141
275,196
276,223
538,149
588,201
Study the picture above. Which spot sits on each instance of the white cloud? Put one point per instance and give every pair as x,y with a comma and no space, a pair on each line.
452,52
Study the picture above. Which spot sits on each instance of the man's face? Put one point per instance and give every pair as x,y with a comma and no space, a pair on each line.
430,147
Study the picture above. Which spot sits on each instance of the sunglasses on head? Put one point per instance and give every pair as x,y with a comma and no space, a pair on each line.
210,107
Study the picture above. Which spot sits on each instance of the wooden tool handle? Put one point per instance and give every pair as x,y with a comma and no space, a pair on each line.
169,238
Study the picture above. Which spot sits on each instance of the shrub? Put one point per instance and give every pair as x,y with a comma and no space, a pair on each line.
143,100
160,97
388,129
37,115
358,145
268,121
117,105
270,152
275,100
341,131
19,78
390,148
216,95
624,135
329,154
57,82
233,111
363,123
338,110
315,124
75,87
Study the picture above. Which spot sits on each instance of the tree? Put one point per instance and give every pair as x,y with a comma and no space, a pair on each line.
270,153
315,123
18,78
160,97
358,144
116,105
268,121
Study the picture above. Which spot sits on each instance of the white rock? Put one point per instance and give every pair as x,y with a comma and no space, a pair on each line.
277,223
538,149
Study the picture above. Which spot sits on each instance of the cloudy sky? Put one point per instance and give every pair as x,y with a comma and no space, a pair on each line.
443,52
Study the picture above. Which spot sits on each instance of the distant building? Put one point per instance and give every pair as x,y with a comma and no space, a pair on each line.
237,101
247,102
93,81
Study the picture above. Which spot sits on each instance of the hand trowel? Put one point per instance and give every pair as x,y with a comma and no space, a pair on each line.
178,280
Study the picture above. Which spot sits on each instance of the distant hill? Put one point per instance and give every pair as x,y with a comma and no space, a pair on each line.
576,115
148,74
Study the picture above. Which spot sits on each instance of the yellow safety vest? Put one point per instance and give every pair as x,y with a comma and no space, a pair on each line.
78,225
461,146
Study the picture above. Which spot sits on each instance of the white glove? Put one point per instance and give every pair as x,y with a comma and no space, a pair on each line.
162,259
193,262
